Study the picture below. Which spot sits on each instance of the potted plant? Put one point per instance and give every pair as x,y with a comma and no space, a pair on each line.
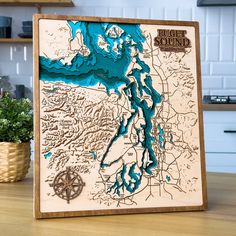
16,131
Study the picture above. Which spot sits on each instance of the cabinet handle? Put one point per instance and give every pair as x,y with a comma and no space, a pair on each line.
229,131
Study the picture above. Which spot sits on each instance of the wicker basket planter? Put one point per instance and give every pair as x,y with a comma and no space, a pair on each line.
14,161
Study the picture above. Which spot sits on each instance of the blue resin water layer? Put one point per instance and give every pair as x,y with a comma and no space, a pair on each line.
109,69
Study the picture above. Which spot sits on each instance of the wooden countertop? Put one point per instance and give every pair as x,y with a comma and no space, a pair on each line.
219,107
16,215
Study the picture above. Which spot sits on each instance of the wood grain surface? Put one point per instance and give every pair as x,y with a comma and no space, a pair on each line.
219,107
16,215
38,214
16,40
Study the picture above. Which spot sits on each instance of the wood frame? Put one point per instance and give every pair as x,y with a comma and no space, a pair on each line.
37,212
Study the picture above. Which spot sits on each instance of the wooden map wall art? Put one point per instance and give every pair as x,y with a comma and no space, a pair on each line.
118,117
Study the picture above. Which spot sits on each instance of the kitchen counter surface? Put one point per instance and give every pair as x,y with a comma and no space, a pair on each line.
218,107
16,215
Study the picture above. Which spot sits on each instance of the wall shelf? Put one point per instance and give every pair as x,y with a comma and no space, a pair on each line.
16,40
219,107
56,3
209,3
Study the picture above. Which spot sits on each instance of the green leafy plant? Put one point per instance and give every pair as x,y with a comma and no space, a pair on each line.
16,120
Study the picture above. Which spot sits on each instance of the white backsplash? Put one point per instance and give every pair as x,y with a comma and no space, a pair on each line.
217,24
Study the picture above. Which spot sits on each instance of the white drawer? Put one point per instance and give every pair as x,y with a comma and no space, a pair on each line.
220,162
219,117
216,140
217,136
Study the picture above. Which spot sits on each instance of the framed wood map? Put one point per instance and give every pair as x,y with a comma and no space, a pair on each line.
118,117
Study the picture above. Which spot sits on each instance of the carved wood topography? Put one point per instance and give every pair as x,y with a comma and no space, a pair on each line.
118,120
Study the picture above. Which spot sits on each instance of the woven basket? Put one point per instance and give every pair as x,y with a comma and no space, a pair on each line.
14,161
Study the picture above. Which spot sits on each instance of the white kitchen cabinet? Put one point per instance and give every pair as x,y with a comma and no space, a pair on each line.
220,141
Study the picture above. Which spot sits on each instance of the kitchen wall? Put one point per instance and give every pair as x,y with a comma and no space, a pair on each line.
217,24
218,56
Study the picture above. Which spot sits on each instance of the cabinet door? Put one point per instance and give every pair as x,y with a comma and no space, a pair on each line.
221,162
220,131
220,141
220,137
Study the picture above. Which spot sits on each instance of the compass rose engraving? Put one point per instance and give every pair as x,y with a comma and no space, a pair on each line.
67,184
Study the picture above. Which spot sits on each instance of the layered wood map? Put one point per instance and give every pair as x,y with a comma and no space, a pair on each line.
118,121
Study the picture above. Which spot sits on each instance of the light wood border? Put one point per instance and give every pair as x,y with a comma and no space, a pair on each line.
16,40
56,3
37,213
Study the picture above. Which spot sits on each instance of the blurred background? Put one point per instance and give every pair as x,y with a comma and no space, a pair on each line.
218,56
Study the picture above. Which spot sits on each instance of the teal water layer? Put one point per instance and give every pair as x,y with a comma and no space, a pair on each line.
109,69
161,137
94,154
47,155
